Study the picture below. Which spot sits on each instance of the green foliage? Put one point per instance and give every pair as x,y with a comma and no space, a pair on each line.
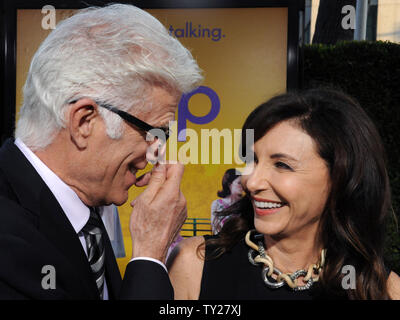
370,72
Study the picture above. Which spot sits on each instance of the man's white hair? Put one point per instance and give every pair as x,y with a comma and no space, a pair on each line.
112,54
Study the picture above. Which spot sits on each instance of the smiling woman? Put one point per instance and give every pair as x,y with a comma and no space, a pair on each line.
290,178
317,196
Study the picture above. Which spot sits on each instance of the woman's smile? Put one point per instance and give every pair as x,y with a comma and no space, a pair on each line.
263,207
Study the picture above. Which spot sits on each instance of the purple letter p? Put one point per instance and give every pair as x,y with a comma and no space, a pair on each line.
184,113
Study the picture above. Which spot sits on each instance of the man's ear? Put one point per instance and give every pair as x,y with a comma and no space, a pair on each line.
82,117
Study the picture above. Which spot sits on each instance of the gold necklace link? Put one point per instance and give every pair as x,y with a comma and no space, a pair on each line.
290,278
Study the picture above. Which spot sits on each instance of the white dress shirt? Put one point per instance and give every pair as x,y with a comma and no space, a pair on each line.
75,210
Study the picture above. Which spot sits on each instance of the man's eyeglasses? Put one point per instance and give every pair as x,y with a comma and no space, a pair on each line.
160,133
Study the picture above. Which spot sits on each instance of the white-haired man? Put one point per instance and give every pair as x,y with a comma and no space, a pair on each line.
96,87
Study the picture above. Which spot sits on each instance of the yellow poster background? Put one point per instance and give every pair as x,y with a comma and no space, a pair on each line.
245,67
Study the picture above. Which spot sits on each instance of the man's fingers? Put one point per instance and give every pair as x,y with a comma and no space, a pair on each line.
174,176
156,181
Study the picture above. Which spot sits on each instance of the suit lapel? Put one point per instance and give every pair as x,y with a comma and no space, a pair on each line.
56,227
34,195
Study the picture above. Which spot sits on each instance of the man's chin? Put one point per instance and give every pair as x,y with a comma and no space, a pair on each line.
118,203
121,199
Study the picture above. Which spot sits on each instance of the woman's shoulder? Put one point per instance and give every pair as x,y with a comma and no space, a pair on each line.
188,246
217,204
393,286
187,250
185,266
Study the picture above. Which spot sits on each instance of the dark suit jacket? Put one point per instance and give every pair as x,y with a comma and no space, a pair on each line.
35,232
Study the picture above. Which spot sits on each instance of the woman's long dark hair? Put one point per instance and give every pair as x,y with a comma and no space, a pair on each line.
352,225
229,176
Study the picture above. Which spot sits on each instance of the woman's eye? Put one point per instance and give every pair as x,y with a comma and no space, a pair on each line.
282,165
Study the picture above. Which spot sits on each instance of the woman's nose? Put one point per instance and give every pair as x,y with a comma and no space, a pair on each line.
256,181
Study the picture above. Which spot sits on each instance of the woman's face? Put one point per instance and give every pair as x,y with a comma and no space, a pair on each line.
236,187
289,184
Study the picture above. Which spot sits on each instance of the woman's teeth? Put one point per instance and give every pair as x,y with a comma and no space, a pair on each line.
268,205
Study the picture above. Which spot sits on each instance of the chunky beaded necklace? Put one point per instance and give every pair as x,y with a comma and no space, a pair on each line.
257,256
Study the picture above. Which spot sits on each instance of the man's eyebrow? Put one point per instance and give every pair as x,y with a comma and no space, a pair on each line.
283,155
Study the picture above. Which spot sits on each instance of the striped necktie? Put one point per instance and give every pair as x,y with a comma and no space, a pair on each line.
92,232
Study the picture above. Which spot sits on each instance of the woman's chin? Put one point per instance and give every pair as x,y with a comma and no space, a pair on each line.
269,228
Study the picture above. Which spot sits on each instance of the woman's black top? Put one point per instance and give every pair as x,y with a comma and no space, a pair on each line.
233,277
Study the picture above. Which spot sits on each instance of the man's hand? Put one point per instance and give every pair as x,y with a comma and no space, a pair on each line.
158,213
